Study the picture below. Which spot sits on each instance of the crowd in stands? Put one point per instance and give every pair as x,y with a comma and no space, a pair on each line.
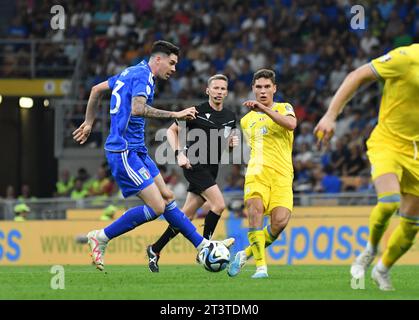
310,45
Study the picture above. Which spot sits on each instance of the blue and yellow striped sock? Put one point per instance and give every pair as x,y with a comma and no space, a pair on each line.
388,203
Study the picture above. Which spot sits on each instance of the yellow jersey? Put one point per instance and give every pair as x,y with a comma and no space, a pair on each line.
270,143
399,109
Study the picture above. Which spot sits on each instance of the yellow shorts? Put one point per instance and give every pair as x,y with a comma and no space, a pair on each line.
274,189
395,156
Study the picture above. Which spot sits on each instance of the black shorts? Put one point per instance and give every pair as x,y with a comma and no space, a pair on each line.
201,177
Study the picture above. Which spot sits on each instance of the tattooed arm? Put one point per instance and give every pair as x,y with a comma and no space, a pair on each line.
140,108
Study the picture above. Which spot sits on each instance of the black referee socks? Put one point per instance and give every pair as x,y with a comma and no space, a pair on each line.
169,234
211,221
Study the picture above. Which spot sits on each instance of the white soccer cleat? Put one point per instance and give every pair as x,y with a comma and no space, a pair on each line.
261,272
382,279
239,261
228,242
360,265
97,249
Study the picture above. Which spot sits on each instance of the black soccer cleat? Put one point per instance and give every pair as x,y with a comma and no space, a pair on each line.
153,258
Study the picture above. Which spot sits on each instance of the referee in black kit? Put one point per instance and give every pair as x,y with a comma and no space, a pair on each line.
201,173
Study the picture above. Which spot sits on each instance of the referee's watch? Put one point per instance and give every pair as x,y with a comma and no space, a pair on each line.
177,152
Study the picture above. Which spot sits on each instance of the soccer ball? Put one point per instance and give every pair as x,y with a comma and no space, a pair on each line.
214,256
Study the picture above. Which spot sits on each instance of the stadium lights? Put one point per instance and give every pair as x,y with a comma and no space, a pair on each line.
25,102
46,103
1,98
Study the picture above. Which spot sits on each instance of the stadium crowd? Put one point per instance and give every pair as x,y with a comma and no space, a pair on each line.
310,45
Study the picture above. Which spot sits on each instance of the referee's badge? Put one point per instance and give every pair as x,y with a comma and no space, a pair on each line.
227,131
144,173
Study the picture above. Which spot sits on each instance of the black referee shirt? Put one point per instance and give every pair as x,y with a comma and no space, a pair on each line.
213,128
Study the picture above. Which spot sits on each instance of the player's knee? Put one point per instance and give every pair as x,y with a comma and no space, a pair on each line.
256,211
279,222
218,207
159,207
255,215
189,212
168,195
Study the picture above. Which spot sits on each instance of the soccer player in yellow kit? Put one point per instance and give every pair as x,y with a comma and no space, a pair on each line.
393,153
268,128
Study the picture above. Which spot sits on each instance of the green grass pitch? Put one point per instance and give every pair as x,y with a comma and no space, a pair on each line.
190,282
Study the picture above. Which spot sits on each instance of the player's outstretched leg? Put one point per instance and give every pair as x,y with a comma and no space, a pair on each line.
98,239
401,240
177,219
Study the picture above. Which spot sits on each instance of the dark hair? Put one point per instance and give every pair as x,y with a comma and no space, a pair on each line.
164,47
264,73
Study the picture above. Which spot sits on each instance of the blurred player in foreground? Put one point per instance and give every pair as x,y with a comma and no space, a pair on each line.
392,151
268,128
201,174
131,166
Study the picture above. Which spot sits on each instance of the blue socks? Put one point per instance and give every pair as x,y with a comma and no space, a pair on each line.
177,219
129,220
138,215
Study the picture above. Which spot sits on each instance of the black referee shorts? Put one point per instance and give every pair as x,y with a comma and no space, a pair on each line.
201,177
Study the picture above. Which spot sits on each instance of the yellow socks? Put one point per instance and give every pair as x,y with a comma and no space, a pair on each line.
400,240
257,245
388,203
269,238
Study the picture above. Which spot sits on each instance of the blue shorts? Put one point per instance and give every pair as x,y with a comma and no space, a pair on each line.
132,171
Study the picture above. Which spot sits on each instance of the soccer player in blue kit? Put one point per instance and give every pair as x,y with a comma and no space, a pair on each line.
134,171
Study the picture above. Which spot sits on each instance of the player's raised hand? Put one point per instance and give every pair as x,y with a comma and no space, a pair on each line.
183,161
325,130
82,133
186,114
254,105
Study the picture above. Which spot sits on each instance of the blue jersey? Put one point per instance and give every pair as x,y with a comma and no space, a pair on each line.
127,131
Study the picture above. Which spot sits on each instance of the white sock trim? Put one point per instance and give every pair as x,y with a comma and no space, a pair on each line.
262,268
102,236
381,267
202,244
